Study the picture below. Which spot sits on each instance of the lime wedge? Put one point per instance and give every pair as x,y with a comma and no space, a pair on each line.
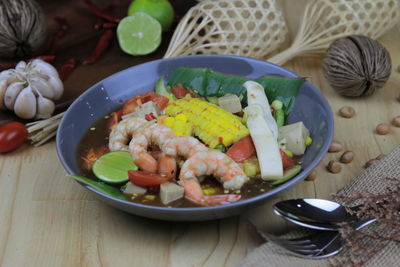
113,167
139,34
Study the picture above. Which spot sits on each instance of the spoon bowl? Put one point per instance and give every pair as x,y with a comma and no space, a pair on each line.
319,214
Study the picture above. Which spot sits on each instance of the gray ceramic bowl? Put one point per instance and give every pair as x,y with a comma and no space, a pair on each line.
105,97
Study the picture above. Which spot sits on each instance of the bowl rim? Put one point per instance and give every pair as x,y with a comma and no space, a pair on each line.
299,177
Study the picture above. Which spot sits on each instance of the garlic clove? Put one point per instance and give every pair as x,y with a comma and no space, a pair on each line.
3,88
39,74
20,67
25,104
41,87
11,94
58,87
5,74
11,76
38,65
45,108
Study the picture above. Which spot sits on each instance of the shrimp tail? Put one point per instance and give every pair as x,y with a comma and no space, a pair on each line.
221,199
194,193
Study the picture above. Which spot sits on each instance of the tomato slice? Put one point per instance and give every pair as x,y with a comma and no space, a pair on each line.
242,149
179,91
12,135
132,103
287,161
145,178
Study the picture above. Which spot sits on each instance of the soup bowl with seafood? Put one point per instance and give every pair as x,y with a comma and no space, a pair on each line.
196,137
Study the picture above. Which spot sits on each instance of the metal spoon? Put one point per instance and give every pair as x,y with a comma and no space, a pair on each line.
319,214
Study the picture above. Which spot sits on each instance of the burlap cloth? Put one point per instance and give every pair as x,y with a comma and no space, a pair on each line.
370,180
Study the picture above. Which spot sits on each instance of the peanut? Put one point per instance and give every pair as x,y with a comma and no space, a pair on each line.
396,121
312,176
347,157
347,112
335,146
334,166
370,162
382,129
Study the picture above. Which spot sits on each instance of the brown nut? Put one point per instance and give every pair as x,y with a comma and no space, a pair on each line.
370,162
380,156
347,112
335,146
396,121
312,176
334,166
347,157
382,128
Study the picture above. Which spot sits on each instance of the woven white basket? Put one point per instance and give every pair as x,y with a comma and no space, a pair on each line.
324,21
251,28
256,28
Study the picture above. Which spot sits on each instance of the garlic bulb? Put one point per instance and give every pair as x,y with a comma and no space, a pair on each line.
30,89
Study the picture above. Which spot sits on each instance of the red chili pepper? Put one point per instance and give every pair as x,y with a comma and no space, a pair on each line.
92,8
63,27
101,47
67,68
149,117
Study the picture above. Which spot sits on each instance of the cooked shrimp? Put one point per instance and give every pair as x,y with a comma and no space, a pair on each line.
183,146
156,134
216,163
122,132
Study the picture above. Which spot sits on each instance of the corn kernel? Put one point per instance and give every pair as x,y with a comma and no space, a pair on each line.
308,140
288,153
209,191
150,197
250,169
181,117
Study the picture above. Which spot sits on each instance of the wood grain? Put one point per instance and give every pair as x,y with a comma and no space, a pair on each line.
49,220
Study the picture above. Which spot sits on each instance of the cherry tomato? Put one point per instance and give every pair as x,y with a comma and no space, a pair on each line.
242,149
145,178
12,135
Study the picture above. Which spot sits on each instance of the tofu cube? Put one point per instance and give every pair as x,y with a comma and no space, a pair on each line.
170,192
295,135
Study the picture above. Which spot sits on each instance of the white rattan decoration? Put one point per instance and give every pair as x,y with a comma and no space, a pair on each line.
327,20
251,28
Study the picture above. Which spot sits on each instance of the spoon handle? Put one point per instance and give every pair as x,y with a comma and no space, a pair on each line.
364,223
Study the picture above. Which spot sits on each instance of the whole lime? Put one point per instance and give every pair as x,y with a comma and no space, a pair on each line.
161,10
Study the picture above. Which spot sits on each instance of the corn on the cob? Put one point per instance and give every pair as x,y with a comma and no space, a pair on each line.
212,124
179,125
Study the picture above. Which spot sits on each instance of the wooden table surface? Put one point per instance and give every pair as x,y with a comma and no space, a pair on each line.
48,219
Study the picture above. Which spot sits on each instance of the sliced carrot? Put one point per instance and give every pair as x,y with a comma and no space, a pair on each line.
287,162
115,117
242,150
180,92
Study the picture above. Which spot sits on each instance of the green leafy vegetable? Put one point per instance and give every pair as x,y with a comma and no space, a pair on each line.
103,188
208,83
